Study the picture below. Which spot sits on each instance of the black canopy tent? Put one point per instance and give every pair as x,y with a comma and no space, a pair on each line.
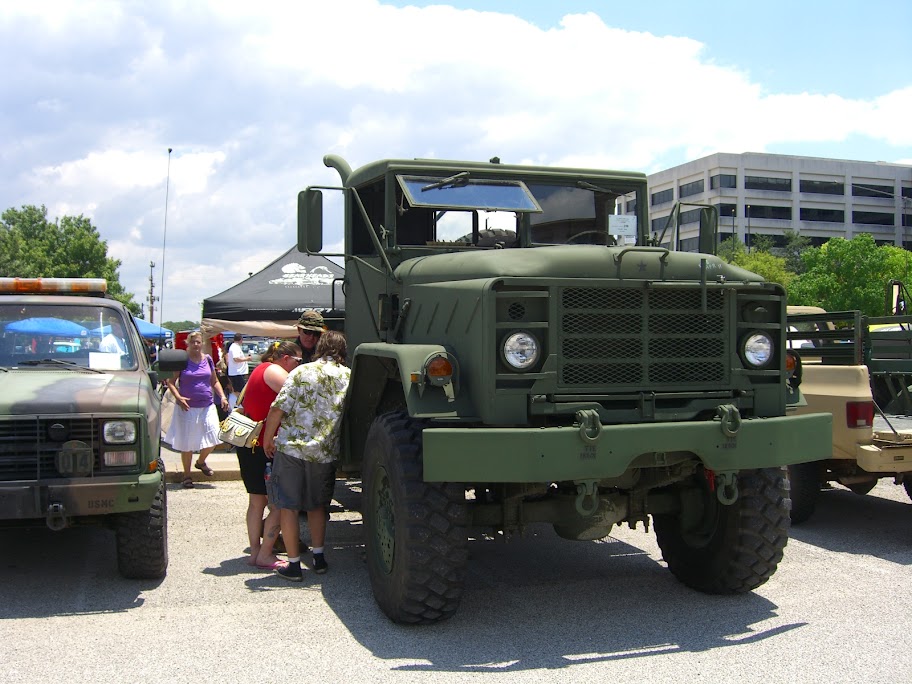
269,302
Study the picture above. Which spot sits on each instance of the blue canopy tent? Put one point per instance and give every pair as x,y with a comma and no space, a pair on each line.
47,326
151,331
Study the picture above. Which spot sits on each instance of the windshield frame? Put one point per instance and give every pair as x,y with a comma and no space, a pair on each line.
464,192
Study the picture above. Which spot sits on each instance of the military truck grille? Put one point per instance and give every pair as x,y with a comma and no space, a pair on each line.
28,452
644,339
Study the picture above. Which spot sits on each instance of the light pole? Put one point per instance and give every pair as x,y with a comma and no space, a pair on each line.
749,240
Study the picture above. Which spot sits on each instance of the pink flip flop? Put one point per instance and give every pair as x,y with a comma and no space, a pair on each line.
271,566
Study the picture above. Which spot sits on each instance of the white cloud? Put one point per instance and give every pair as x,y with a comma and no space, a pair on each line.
251,97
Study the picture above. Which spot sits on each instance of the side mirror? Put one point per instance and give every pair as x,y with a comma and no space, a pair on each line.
171,360
170,363
709,230
310,221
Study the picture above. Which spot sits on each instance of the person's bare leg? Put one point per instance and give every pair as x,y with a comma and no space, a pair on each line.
271,527
185,461
316,521
288,519
204,453
256,504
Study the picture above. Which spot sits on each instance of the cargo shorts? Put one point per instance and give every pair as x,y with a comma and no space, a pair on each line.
300,485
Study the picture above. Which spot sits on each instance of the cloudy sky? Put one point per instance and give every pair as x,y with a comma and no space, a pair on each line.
250,96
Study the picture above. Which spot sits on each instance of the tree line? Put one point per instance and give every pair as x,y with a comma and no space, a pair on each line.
839,275
31,246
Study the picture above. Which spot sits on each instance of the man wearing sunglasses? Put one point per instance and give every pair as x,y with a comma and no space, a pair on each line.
310,327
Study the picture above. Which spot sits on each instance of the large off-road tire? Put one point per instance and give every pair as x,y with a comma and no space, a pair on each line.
729,549
416,532
805,480
142,537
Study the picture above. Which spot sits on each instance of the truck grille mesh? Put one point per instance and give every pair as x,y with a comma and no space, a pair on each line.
27,451
645,339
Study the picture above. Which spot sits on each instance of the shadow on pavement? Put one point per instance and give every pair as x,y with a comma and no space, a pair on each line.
64,573
867,525
544,602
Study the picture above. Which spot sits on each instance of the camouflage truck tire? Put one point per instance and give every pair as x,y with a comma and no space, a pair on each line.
416,532
730,549
142,537
805,482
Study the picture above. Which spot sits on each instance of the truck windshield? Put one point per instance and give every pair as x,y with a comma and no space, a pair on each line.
461,210
583,214
81,336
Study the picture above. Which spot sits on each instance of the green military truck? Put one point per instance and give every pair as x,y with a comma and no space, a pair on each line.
523,351
79,418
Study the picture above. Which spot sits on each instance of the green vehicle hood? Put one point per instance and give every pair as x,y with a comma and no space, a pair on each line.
568,261
43,392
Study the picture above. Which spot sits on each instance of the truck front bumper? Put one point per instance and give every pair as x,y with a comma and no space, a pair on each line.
559,454
22,500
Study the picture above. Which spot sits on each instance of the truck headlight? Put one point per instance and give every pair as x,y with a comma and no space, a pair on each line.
757,349
521,350
119,432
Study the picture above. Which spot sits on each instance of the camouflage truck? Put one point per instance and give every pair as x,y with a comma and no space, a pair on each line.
523,352
80,418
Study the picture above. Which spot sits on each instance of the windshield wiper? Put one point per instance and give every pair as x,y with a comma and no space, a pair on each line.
585,185
459,179
57,362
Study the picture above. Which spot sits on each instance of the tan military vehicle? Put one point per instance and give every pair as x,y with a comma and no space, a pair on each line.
841,354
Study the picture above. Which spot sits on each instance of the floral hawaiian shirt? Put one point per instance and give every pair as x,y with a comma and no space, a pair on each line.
312,399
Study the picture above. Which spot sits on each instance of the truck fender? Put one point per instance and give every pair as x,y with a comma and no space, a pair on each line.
382,381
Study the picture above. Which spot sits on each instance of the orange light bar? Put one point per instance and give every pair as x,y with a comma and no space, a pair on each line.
53,285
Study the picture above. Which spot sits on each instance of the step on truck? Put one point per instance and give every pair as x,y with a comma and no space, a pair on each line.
523,351
80,418
855,367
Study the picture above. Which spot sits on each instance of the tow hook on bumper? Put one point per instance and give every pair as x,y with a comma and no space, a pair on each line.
590,427
730,418
56,517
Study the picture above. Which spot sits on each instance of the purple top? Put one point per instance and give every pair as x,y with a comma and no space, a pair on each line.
196,383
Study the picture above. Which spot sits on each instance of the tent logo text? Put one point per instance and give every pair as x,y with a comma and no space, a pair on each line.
296,275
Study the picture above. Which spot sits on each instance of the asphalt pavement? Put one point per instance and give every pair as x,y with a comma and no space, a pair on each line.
536,608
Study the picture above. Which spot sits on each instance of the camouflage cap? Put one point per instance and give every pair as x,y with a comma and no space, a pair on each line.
311,320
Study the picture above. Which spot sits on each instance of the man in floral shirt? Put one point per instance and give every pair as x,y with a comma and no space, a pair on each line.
308,413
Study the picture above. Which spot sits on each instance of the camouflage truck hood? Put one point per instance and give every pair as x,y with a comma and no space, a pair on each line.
568,261
42,392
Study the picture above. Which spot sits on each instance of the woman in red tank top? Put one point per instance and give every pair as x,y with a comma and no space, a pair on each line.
262,387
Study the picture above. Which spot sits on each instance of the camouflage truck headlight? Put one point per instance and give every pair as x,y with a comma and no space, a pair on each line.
521,350
119,432
757,349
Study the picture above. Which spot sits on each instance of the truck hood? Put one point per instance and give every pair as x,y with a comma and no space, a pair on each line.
568,261
42,392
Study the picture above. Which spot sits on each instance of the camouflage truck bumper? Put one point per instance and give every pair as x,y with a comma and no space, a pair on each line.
86,497
558,454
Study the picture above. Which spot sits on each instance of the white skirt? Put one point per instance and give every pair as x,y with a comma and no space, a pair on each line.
194,429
